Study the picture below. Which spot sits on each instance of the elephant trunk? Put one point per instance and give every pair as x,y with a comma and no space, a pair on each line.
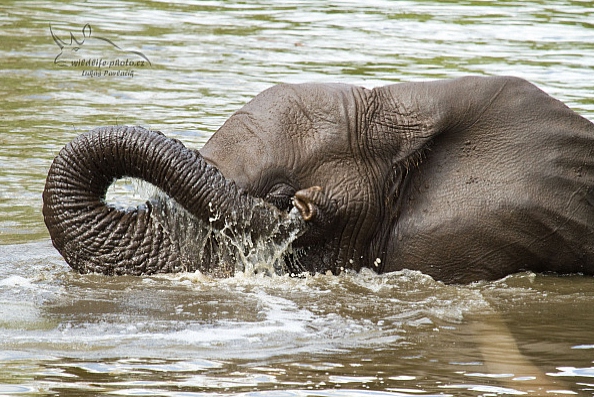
95,237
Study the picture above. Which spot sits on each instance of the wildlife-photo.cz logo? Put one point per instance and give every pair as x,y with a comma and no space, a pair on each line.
97,56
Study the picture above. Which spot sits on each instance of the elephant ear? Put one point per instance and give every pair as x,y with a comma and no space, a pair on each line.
408,116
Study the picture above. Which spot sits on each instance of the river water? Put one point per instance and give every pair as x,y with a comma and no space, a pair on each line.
183,67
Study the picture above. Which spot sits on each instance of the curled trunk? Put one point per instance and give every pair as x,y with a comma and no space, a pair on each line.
95,237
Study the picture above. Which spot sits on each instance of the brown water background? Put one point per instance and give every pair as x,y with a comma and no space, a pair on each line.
183,67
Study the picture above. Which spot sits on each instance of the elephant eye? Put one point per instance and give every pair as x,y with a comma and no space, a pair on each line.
281,196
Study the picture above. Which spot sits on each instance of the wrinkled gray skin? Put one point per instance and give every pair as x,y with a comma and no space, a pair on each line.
466,179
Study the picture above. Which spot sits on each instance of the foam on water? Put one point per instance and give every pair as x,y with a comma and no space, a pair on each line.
250,315
16,282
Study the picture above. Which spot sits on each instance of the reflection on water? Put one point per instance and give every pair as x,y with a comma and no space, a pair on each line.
352,335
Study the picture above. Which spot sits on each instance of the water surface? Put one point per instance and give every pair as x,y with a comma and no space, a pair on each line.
194,64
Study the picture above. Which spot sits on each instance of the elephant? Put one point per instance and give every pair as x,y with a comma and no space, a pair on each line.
464,179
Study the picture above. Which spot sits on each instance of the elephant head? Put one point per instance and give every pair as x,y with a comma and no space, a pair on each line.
322,151
309,146
342,155
361,177
95,237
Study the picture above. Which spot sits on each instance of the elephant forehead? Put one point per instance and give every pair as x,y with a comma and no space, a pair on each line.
309,132
313,114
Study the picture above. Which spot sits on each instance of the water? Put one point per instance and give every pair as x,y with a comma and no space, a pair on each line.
188,335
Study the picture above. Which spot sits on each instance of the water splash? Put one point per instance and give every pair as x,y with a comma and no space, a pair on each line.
219,253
